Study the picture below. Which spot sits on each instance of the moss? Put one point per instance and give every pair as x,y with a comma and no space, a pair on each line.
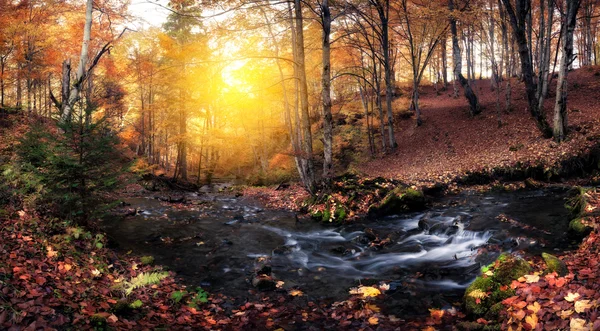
399,200
147,260
555,264
121,308
486,291
477,296
326,215
577,201
98,322
340,214
577,227
510,267
494,311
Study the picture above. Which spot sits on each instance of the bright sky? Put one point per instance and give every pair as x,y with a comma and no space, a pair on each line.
149,12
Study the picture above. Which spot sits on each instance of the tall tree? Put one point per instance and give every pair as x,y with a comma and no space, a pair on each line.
471,97
519,16
566,58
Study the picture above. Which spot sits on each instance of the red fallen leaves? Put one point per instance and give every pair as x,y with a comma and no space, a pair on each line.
450,144
555,302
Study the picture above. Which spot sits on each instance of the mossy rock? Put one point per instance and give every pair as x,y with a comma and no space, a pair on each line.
494,312
508,268
578,228
399,200
477,296
486,291
98,322
121,308
147,260
554,264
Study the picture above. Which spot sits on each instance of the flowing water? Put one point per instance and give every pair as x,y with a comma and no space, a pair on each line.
427,258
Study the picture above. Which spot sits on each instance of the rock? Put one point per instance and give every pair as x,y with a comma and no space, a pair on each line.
486,291
263,283
578,228
147,260
438,228
370,234
265,270
555,264
424,224
282,250
399,200
509,268
531,183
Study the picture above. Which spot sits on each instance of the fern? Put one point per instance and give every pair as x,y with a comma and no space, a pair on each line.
143,279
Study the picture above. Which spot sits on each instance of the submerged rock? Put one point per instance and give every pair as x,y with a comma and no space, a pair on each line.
264,283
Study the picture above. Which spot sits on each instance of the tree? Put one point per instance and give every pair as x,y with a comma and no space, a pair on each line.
560,107
474,107
519,15
423,31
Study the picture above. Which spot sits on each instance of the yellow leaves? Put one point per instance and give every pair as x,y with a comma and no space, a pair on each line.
578,324
436,313
564,314
365,291
572,296
373,320
96,273
531,278
50,252
582,305
478,294
373,308
535,307
488,273
532,320
296,293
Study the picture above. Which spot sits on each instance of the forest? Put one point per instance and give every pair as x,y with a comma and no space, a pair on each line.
299,165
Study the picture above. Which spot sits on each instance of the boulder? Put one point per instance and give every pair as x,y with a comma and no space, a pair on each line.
554,264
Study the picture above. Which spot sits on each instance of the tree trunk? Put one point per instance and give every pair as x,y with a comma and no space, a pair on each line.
560,107
444,62
326,95
383,10
518,18
474,108
81,68
303,93
544,53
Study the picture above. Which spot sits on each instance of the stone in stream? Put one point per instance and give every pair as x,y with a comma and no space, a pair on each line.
424,224
264,283
555,264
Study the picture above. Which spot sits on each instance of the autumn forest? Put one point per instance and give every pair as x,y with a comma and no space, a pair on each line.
299,165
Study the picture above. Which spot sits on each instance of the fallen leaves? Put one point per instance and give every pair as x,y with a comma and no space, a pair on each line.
365,291
570,297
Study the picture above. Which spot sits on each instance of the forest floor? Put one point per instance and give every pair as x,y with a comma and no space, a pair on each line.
451,146
450,143
55,276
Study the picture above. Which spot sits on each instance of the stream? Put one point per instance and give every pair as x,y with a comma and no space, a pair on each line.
427,258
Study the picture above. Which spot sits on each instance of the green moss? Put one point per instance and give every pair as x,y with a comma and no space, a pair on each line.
577,227
399,200
98,322
147,260
555,264
510,268
494,311
340,214
477,296
486,291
